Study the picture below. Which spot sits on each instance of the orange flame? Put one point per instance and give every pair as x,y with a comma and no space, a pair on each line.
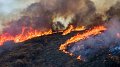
78,37
68,30
79,57
80,28
71,28
23,36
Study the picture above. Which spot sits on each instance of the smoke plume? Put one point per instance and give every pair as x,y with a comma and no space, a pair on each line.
40,15
58,14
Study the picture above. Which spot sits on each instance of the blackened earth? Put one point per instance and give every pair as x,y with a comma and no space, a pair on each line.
43,52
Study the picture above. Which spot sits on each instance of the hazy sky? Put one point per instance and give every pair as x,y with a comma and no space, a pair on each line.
7,6
11,8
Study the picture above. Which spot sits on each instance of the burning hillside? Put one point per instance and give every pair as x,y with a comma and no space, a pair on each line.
78,37
80,30
44,51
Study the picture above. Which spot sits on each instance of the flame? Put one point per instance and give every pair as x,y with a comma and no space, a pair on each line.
79,57
68,30
23,36
80,28
71,28
78,37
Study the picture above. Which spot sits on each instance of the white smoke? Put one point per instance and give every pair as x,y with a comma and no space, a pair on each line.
104,5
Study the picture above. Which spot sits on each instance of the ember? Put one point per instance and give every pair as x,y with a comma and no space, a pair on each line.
78,57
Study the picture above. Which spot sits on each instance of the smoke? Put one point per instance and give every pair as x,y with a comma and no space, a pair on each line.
114,10
104,5
40,15
58,14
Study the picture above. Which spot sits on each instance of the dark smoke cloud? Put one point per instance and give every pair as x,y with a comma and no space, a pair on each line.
114,11
62,7
82,10
40,15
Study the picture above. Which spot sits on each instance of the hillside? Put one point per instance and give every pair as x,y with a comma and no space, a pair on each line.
43,52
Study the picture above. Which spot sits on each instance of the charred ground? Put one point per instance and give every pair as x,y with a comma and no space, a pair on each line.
43,52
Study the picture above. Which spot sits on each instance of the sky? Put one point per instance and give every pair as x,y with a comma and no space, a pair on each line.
8,6
10,9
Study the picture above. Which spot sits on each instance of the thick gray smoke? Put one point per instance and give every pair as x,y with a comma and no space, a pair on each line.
40,15
114,11
81,10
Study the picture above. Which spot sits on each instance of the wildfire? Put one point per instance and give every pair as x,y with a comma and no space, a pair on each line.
71,28
68,30
80,28
78,37
66,20
23,36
